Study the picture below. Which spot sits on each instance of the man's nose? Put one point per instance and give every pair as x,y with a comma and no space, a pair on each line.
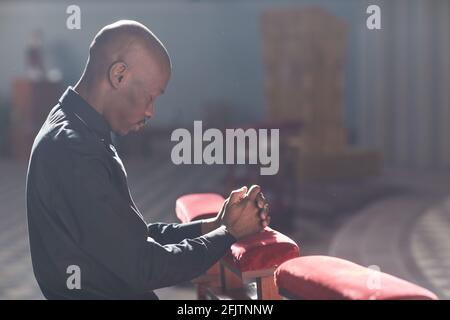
150,112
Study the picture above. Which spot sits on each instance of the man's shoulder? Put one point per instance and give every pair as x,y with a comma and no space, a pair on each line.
61,135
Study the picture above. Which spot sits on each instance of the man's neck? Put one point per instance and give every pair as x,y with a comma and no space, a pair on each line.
89,93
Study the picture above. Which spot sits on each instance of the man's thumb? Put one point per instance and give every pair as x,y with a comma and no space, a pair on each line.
237,195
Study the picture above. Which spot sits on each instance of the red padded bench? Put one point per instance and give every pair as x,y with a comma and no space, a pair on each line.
330,278
253,258
196,206
256,258
272,259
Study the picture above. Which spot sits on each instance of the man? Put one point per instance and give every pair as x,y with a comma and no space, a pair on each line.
80,212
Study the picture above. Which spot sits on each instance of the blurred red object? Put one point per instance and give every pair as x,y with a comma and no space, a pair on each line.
195,206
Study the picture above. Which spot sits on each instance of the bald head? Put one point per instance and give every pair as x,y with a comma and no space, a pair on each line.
127,41
127,68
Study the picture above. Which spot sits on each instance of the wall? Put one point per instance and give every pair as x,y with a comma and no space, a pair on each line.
397,78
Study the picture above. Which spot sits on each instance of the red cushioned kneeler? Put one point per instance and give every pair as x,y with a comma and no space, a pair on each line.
197,206
264,250
325,278
257,257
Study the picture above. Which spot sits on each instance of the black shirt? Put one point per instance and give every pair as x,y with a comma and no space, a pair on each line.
80,213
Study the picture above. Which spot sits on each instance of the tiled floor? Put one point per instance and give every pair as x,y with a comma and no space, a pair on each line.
430,244
406,234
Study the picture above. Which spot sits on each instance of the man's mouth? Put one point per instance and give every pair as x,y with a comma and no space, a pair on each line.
140,124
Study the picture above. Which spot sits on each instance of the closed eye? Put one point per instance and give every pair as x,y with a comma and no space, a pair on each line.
149,100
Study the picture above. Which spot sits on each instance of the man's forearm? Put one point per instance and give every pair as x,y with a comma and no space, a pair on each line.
210,224
165,233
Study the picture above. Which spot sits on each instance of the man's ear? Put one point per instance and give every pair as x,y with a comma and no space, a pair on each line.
117,73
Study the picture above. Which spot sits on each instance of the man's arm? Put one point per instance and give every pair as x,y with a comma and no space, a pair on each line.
173,233
210,224
166,233
112,233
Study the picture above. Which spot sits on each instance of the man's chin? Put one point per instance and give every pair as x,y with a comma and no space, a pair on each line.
122,132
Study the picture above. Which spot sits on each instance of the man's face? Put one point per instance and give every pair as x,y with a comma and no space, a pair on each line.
134,102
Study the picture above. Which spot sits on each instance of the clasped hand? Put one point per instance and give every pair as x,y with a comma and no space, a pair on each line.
244,212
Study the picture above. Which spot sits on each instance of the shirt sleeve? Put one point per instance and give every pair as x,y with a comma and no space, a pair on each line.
110,231
165,233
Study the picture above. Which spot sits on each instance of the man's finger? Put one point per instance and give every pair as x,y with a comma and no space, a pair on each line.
253,192
225,203
260,200
266,222
264,211
264,215
237,195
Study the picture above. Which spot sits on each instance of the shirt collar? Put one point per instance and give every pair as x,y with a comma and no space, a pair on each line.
72,101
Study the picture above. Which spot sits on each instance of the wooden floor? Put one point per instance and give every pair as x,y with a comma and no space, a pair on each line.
378,221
